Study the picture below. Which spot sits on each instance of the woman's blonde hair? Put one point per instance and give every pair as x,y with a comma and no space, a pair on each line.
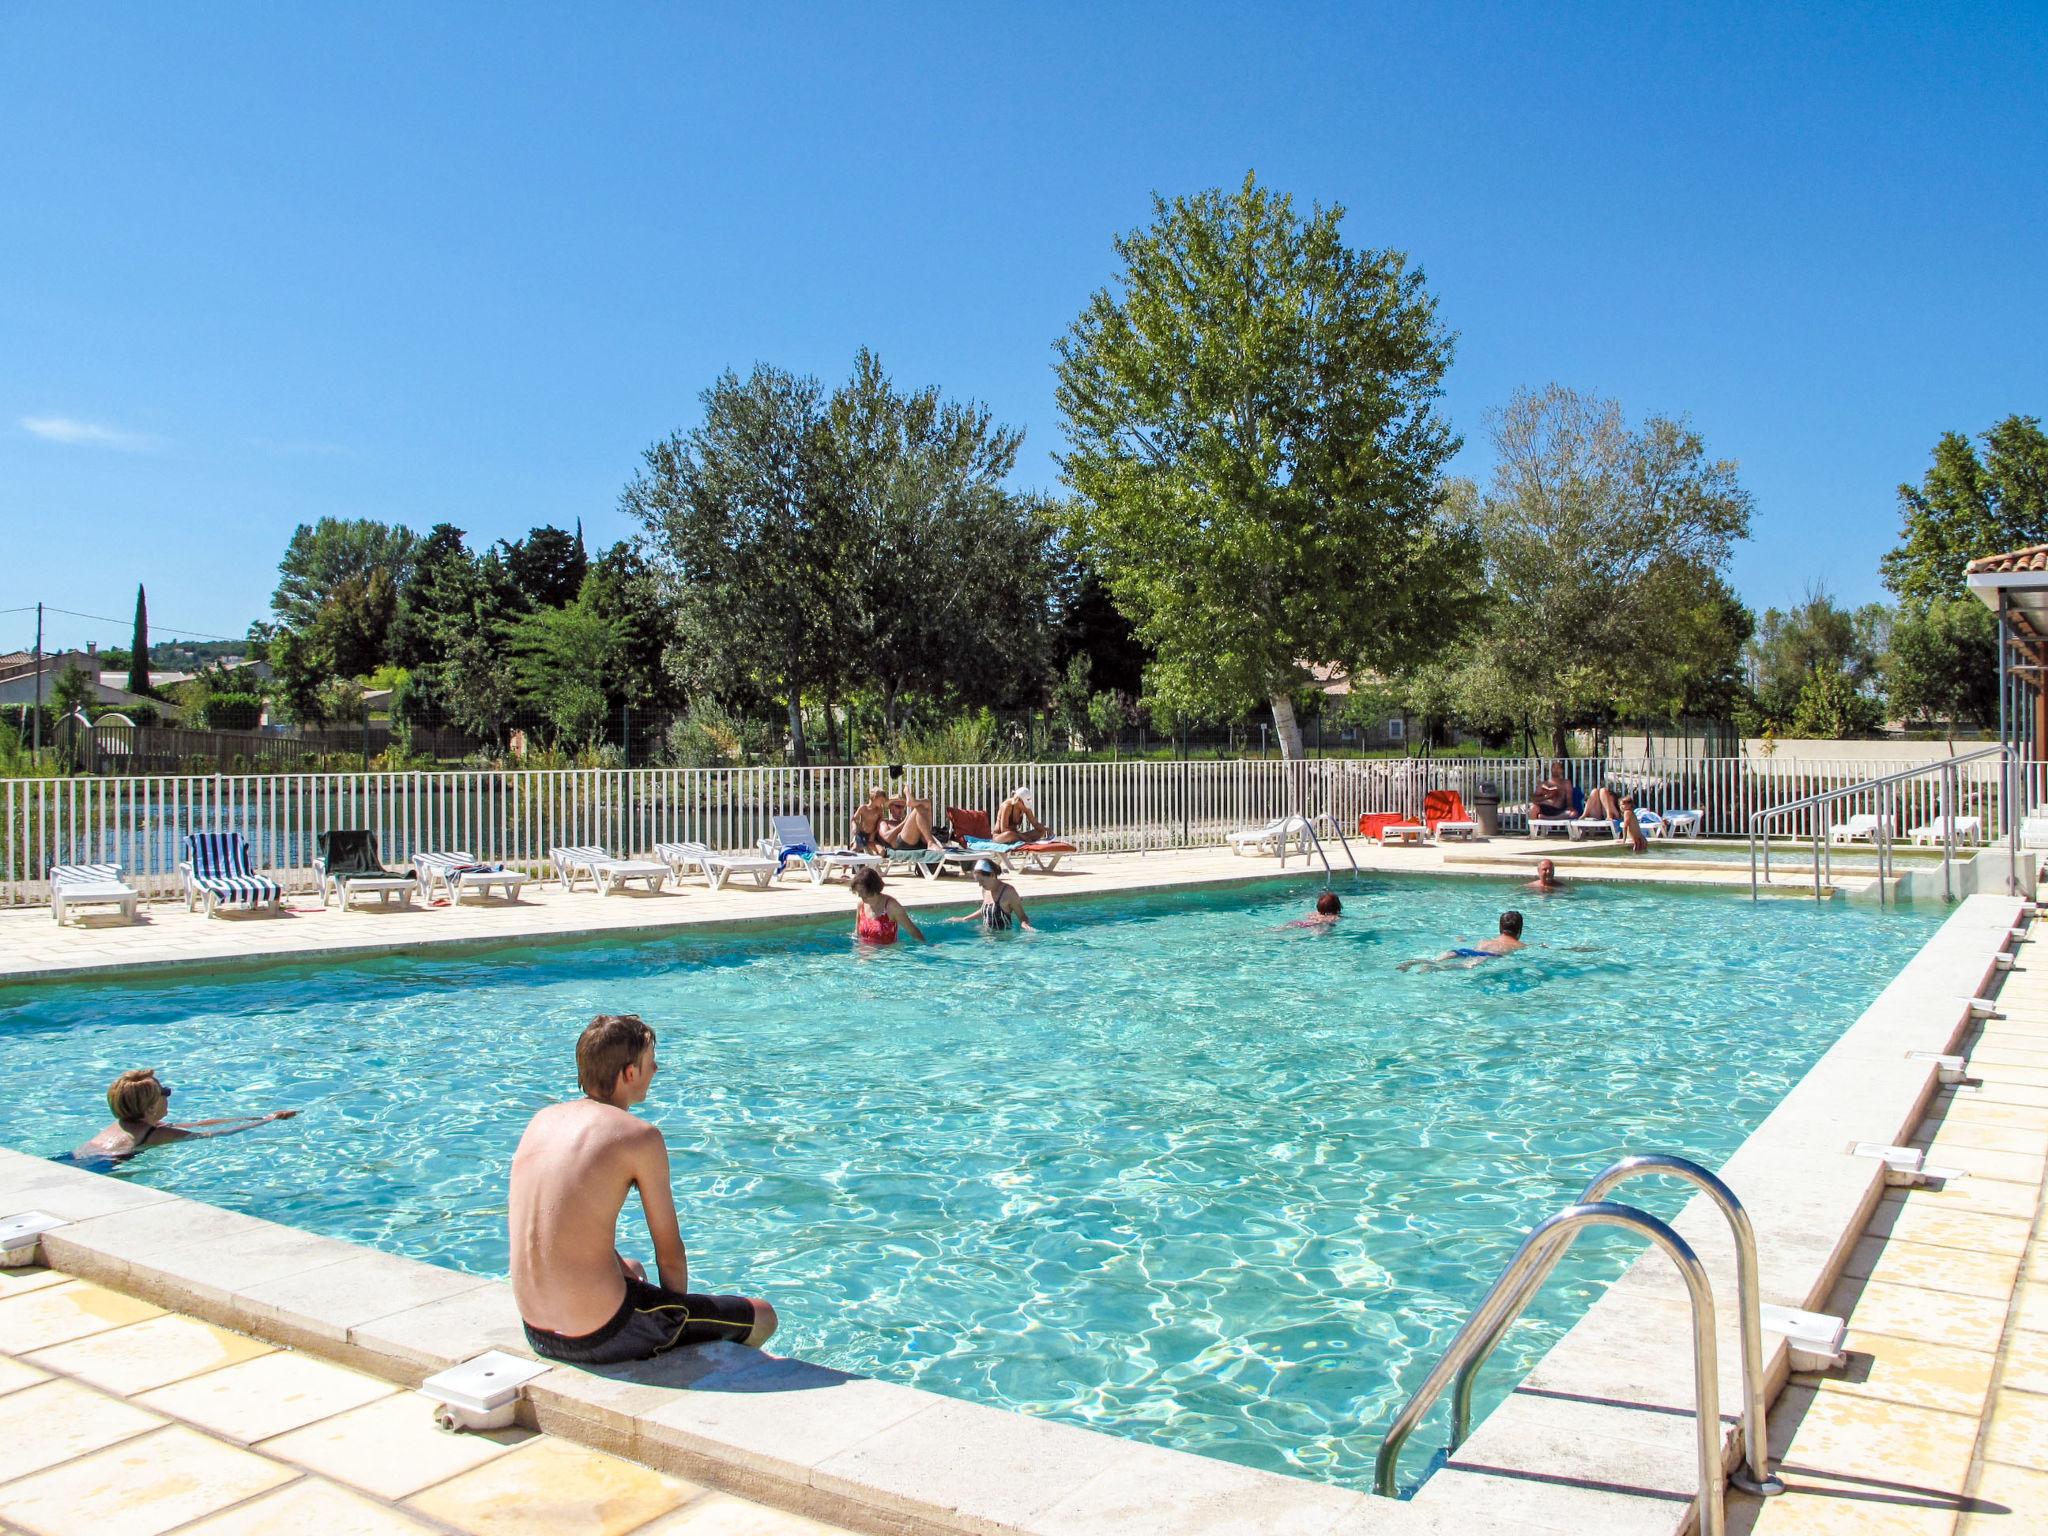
136,1095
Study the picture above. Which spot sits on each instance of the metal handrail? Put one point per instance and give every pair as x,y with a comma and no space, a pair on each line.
1507,1298
1338,832
1823,845
1754,1476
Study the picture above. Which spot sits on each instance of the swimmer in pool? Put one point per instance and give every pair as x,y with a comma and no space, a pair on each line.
1506,943
1546,882
879,915
139,1103
1328,910
1000,904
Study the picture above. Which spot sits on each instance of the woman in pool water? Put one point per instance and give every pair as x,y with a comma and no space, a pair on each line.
1328,909
879,914
139,1103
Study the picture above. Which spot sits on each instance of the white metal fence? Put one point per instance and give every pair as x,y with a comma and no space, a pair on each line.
516,817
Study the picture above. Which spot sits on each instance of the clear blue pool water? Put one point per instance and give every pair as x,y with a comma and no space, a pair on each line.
1162,1169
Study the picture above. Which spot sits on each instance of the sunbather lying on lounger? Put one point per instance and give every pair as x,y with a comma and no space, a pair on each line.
582,1300
139,1103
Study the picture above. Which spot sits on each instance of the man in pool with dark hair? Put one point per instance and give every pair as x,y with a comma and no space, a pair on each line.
584,1302
1506,942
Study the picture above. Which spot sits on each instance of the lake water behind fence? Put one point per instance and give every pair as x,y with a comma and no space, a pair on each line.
516,816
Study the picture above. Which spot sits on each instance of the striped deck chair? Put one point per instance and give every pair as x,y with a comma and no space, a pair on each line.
217,870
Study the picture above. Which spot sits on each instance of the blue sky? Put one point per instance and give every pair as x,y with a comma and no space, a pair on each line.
264,263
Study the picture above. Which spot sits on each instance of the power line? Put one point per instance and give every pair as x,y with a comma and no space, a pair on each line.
175,630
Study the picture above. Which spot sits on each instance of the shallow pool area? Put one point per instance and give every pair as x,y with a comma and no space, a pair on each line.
1164,1169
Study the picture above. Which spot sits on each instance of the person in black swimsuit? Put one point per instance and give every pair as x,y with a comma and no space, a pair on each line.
1000,905
139,1103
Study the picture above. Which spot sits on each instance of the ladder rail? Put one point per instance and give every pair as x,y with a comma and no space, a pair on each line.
1504,1302
1754,1476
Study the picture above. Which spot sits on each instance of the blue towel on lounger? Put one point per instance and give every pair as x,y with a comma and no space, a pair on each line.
803,851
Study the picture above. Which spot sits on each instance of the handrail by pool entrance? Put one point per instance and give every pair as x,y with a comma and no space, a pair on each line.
1754,1475
1543,1247
1882,834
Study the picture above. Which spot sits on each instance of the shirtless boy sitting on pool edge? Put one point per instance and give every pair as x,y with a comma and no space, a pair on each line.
584,1302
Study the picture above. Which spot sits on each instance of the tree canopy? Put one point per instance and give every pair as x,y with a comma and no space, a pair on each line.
1966,507
324,557
1256,453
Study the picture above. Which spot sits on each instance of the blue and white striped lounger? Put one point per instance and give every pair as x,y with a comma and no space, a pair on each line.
217,871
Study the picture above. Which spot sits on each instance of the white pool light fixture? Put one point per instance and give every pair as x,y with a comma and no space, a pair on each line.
1814,1338
21,1236
1902,1165
1953,1068
482,1392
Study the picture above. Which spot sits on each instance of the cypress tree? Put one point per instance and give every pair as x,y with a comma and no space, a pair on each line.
138,646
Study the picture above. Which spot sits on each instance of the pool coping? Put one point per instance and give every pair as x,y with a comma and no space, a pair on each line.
1597,1435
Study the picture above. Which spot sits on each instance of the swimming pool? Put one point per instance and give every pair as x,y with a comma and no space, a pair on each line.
1162,1170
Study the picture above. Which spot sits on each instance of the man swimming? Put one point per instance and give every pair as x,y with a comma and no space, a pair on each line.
1546,882
584,1302
139,1102
1506,942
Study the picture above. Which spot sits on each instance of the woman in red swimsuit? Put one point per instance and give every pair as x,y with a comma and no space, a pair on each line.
879,914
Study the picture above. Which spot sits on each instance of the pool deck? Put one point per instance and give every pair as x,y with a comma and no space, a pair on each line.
1939,1421
34,948
118,1418
1598,1437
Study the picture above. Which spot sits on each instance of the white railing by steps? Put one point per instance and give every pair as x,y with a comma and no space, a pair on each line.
516,816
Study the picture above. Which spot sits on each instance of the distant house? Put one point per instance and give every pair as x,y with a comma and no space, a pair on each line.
1335,685
18,679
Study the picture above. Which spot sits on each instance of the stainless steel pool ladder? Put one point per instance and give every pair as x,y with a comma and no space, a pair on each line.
1539,1254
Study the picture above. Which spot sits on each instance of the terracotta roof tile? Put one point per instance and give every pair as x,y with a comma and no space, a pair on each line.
2033,558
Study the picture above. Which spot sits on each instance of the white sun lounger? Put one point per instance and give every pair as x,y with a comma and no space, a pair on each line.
90,885
1538,825
928,862
1963,829
820,862
716,868
457,873
1682,823
1411,834
605,873
1275,837
1861,829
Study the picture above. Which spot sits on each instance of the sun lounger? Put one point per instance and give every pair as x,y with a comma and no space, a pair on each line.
928,862
455,873
1275,837
218,872
973,828
605,873
2034,830
793,842
349,869
90,885
1942,828
1682,823
1861,829
1407,834
1444,814
716,868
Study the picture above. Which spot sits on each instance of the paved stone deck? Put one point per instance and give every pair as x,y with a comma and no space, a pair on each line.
1939,1423
118,1418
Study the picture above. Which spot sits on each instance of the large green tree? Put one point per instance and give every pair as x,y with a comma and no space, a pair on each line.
1256,452
321,557
1604,545
561,662
1814,635
1942,664
946,575
749,540
1966,507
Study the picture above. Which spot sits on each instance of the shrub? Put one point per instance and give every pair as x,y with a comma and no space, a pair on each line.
233,711
709,736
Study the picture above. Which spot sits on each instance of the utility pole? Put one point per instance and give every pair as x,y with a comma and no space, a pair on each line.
36,752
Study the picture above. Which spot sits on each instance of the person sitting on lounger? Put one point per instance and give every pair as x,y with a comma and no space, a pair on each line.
1553,795
139,1103
1506,942
583,1302
1000,904
1546,882
879,915
908,824
1328,909
1017,822
867,821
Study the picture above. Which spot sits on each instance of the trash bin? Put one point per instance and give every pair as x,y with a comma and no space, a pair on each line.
1486,807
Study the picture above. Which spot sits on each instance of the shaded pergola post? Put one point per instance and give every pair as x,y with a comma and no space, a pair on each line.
2015,588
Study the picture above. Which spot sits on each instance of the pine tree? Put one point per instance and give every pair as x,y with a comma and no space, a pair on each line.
138,652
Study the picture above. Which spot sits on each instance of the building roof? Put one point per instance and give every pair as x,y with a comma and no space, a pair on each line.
2033,558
